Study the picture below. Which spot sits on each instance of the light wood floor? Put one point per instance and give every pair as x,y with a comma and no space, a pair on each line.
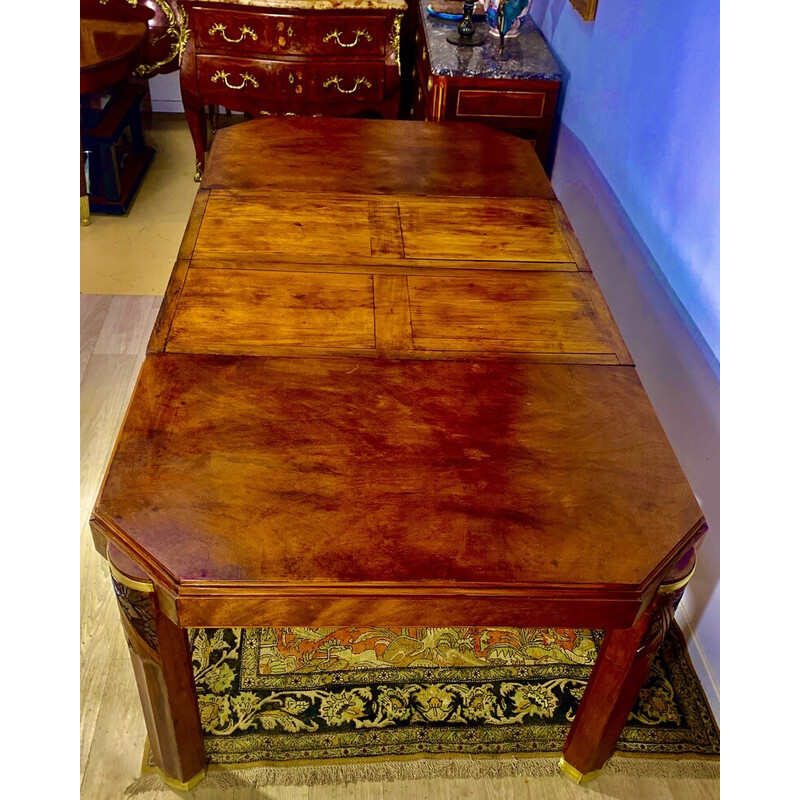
114,333
134,254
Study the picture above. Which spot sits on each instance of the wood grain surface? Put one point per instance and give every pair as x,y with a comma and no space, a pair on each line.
430,314
339,471
260,226
342,420
463,159
112,730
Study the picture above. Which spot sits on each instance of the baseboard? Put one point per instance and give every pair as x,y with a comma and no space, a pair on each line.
699,661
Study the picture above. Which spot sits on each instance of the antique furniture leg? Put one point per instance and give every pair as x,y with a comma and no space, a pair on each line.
196,117
162,663
622,666
194,108
84,194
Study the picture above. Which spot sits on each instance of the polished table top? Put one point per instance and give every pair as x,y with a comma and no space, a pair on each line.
384,389
372,374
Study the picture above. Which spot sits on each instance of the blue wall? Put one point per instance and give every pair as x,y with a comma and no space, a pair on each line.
642,95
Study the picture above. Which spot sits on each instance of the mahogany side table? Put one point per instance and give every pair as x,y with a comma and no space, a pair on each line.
356,410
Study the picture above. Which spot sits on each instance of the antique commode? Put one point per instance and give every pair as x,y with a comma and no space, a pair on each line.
288,57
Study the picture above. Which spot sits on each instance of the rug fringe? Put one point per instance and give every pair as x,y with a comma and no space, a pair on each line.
220,778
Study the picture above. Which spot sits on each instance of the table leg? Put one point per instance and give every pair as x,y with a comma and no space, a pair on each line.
193,107
196,118
84,194
162,663
622,666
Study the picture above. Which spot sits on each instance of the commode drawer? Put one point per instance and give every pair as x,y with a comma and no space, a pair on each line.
231,31
485,103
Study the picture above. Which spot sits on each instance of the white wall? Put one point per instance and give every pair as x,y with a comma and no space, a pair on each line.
165,93
675,367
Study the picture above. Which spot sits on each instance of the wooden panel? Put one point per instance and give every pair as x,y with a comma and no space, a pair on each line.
244,309
160,332
320,309
376,264
218,76
387,235
485,103
392,315
193,225
531,312
487,229
605,318
335,470
268,225
398,606
361,154
574,245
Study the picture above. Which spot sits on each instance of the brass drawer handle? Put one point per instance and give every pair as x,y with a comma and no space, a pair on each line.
334,81
223,76
336,34
243,31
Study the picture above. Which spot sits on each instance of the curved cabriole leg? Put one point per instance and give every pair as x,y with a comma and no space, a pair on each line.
162,664
622,666
193,107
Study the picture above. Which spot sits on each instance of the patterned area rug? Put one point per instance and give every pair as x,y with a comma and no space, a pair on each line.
280,695
331,702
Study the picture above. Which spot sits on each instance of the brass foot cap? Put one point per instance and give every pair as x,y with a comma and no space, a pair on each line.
574,775
182,786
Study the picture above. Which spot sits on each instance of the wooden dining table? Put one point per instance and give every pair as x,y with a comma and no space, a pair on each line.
384,388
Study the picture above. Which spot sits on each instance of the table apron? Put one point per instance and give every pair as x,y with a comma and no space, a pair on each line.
423,609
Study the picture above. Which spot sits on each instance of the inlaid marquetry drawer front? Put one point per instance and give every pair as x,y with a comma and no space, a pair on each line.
248,77
334,81
246,80
349,36
232,31
272,34
520,104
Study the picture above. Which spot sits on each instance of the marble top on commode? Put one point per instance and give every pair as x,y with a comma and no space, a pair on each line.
317,4
525,56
